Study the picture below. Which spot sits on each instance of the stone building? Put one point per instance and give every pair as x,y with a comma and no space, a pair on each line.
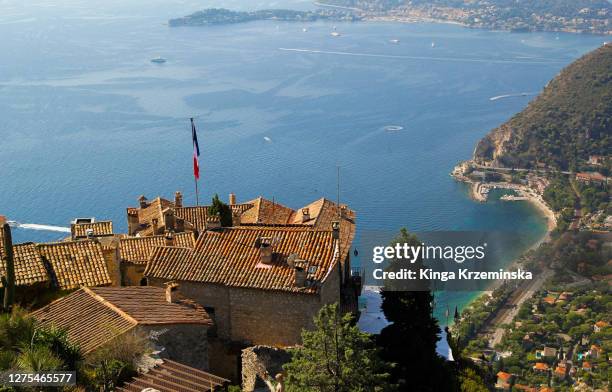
264,283
93,317
31,276
134,252
63,265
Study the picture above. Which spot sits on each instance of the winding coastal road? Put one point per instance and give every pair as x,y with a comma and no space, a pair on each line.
512,306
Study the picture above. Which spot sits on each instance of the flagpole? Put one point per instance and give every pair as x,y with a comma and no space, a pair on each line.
197,193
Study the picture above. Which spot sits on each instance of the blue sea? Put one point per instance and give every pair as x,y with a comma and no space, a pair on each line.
88,123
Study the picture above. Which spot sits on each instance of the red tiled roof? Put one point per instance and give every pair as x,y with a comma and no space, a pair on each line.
229,257
504,376
540,366
590,176
265,211
88,322
138,249
79,230
29,266
154,210
94,316
196,216
76,263
172,376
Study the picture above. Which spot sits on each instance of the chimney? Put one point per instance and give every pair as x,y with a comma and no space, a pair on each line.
89,233
180,225
171,292
142,201
169,221
232,199
343,209
265,251
133,223
335,230
154,225
305,214
178,199
300,276
2,220
169,238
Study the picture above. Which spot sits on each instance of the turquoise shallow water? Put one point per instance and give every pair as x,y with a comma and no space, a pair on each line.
88,123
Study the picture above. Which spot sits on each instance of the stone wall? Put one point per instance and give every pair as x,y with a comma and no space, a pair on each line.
184,343
131,273
260,317
260,364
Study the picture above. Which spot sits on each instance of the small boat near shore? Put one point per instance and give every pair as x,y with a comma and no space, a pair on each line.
158,60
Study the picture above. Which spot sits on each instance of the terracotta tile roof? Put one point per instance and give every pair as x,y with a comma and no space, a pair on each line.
94,316
79,230
154,210
29,266
504,376
172,376
138,249
76,263
230,257
89,322
540,366
265,211
147,305
196,216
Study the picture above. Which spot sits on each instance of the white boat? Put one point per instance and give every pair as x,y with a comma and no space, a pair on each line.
433,44
304,29
335,34
158,60
394,41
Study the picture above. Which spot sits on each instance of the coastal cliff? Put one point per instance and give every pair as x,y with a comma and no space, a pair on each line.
570,120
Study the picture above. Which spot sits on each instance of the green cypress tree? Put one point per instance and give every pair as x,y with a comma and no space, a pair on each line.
409,342
224,211
335,357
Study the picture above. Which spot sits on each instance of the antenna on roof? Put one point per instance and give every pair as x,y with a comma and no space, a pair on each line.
338,190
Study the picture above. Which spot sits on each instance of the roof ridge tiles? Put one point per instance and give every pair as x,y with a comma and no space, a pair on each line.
111,306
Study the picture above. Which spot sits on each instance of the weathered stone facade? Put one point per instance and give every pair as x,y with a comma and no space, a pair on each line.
260,317
260,364
183,343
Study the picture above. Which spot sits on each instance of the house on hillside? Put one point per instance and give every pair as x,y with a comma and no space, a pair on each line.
263,283
588,178
504,381
94,317
251,277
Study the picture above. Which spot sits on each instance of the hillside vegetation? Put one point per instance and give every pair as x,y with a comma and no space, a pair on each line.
570,120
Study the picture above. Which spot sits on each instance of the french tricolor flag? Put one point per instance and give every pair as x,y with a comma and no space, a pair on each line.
196,151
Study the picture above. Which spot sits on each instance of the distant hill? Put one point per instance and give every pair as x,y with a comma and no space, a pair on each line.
219,16
577,16
570,120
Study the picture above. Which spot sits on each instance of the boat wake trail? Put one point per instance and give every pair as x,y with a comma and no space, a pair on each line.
510,96
425,58
34,226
